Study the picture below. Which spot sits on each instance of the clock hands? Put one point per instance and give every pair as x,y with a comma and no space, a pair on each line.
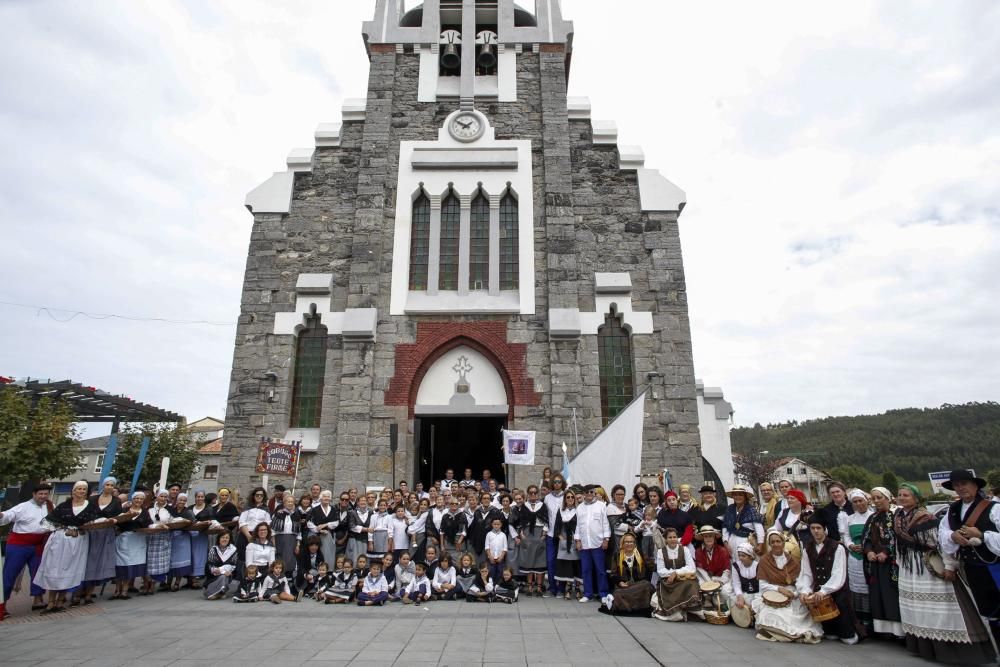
465,125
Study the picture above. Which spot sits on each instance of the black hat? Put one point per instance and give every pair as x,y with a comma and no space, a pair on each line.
279,487
706,489
173,484
42,486
962,475
591,487
815,517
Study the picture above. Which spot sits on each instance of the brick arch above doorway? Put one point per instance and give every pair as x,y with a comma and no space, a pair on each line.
489,338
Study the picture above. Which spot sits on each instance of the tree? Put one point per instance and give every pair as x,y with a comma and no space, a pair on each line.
166,440
853,476
890,481
755,468
36,444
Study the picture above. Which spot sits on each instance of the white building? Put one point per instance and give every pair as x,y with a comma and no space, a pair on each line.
715,417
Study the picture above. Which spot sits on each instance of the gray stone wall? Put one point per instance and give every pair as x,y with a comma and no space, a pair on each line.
342,219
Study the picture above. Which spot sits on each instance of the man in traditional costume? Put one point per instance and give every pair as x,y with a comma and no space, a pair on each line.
839,505
824,575
971,534
26,541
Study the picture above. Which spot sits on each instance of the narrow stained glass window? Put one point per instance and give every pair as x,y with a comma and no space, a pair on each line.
310,369
614,354
508,243
420,237
479,244
450,216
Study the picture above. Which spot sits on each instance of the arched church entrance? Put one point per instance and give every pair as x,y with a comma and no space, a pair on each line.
461,405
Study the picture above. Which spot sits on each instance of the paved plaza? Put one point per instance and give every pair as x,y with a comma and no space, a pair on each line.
183,629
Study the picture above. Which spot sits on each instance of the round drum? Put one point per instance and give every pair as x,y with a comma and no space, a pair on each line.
710,586
934,564
775,599
823,609
742,616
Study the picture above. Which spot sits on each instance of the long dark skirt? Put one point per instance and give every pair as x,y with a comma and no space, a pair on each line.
101,556
884,599
285,551
634,598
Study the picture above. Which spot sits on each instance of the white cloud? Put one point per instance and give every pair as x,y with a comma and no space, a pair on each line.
841,237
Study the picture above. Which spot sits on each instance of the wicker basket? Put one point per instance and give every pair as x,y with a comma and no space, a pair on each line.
717,618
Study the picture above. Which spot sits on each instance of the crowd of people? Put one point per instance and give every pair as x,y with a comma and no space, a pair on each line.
868,564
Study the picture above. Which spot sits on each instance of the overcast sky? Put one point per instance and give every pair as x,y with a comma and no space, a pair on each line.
841,238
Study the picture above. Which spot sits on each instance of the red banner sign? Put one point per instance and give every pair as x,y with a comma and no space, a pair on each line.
275,457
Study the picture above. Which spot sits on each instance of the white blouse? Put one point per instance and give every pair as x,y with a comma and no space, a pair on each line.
259,554
664,571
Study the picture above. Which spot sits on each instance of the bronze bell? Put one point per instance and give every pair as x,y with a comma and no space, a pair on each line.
450,58
487,56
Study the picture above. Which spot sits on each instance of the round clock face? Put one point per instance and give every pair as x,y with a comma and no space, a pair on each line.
466,126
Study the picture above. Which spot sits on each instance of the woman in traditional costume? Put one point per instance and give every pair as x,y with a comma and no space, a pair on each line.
323,521
881,569
769,504
793,521
779,572
157,544
713,562
130,547
567,556
222,562
746,583
677,591
939,617
631,591
532,526
672,516
852,527
64,560
252,515
741,523
202,513
180,545
286,534
101,540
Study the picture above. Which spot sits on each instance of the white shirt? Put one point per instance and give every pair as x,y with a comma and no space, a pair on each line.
592,526
375,586
661,566
553,502
253,516
496,543
397,532
990,538
614,510
417,582
418,525
449,484
259,554
442,577
380,522
436,516
838,575
27,517
748,572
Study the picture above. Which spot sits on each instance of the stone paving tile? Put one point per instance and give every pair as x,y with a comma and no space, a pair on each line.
191,631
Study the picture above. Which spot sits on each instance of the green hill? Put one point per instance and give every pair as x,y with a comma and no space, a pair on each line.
910,442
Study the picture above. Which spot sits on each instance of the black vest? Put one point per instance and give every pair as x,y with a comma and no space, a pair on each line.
973,555
749,585
821,564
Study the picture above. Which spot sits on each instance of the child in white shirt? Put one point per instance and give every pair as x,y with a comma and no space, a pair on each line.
482,589
496,549
399,540
419,589
276,587
405,572
374,590
342,587
444,584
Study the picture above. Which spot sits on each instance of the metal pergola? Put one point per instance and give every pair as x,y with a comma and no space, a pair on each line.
90,404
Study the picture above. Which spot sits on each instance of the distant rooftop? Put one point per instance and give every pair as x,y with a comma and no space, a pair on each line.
90,404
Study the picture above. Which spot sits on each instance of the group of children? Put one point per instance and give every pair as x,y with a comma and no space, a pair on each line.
391,578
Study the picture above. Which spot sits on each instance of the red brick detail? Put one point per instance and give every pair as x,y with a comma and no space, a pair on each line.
489,338
383,48
551,48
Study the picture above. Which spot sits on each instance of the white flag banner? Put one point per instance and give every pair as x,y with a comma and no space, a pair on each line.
615,455
519,448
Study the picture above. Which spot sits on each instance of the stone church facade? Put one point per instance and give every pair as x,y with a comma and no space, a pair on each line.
467,250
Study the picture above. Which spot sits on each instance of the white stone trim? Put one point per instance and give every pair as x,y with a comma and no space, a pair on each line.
610,289
273,195
354,109
605,132
300,159
427,84
328,134
507,74
578,108
656,193
309,437
465,182
631,157
313,292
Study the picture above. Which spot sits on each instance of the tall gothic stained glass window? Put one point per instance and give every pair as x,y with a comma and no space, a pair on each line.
420,237
310,370
479,244
614,352
508,242
450,217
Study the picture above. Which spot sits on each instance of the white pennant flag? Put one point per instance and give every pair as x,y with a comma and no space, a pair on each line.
519,447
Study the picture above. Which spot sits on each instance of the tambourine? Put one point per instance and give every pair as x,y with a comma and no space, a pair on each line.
775,599
934,564
742,616
709,587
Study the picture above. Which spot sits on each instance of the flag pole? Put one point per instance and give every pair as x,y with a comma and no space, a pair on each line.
298,457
